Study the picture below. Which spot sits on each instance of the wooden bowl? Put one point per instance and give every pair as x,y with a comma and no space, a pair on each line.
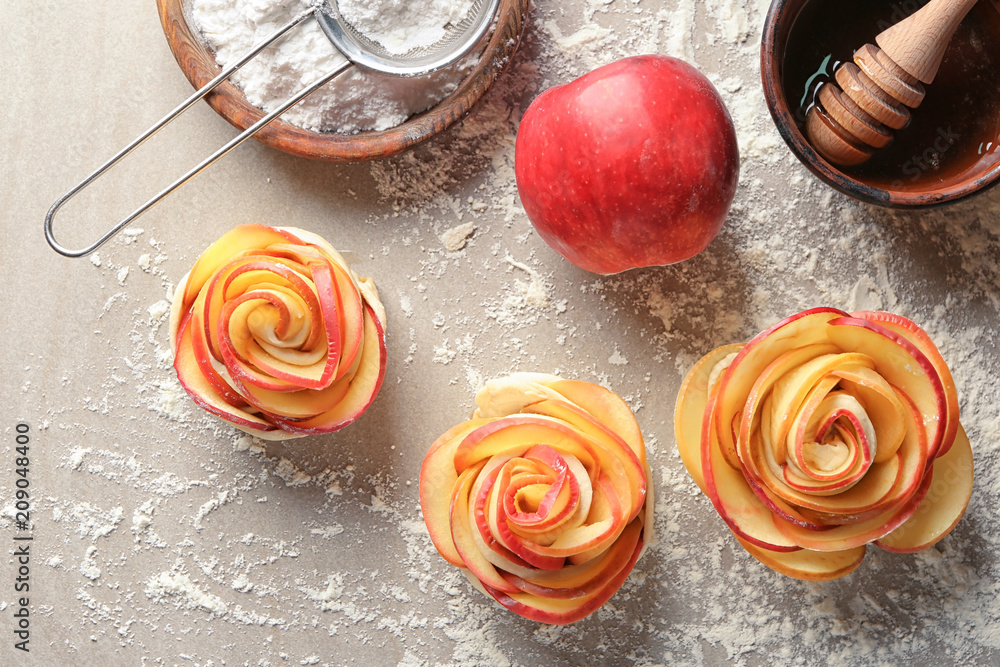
897,181
199,66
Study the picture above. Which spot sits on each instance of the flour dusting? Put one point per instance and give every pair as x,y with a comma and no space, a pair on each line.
174,538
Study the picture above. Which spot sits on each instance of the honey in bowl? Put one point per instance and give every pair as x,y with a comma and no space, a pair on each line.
954,132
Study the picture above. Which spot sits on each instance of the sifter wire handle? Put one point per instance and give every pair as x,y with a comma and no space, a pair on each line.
184,106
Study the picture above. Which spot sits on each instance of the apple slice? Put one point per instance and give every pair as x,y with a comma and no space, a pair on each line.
542,494
850,536
610,464
692,405
342,307
614,445
766,391
607,410
866,494
334,305
945,502
294,405
204,394
809,565
254,273
486,534
212,369
913,333
338,293
364,385
603,525
230,244
736,502
561,611
246,358
885,484
797,331
832,444
437,479
463,526
517,434
784,510
903,365
882,405
790,392
576,581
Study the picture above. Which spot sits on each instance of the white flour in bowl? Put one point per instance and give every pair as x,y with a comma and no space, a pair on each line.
403,25
357,99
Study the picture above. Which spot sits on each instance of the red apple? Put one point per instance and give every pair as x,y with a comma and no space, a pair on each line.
634,164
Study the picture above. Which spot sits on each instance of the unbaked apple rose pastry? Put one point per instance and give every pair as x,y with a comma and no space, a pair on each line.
543,498
825,433
274,333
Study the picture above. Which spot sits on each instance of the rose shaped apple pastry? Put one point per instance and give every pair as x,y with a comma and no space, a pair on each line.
543,497
823,434
274,333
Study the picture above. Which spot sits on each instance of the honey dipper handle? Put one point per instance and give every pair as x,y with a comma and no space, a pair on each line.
917,43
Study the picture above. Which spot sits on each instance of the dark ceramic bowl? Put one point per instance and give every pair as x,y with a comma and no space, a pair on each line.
950,149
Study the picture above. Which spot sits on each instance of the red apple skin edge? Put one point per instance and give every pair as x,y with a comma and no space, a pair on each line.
634,164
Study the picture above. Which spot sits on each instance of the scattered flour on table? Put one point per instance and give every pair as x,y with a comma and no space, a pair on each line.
142,517
179,589
353,567
455,238
88,567
88,521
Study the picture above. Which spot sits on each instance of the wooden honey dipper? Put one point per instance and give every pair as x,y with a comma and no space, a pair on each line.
874,94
